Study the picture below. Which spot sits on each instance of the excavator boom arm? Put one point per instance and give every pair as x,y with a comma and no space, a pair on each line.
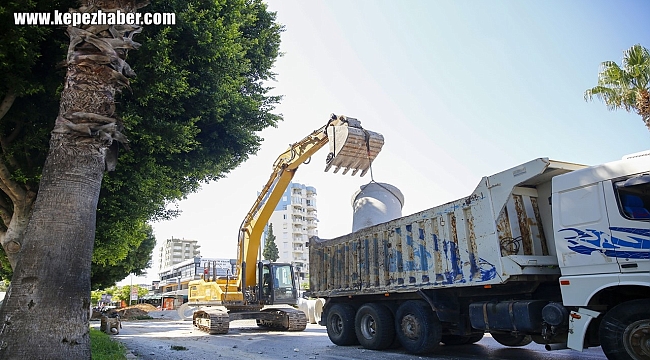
351,148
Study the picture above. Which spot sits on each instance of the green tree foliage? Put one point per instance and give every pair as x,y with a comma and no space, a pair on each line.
95,296
625,86
191,114
270,248
106,270
124,293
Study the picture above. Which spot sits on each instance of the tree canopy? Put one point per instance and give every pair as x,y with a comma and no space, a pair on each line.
625,86
270,248
124,293
191,115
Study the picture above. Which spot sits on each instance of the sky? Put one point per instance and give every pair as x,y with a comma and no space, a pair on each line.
459,90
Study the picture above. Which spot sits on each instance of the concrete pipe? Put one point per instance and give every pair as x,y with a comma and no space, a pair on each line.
376,203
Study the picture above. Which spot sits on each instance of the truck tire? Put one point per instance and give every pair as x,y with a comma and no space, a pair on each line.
507,339
453,340
418,328
340,325
374,326
624,332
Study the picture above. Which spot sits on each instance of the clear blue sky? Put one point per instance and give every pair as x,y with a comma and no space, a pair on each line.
459,89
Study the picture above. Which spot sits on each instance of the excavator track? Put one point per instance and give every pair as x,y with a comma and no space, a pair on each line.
213,321
297,320
285,319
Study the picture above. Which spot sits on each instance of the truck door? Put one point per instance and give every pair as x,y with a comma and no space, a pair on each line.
628,206
582,231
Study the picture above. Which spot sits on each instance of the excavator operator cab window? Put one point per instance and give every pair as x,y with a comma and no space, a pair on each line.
266,282
283,287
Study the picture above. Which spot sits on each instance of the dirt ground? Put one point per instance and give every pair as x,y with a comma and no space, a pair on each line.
150,333
139,312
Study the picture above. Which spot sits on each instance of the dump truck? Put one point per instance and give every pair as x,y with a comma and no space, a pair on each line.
547,251
262,290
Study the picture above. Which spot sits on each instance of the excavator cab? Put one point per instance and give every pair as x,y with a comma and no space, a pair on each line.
278,285
351,146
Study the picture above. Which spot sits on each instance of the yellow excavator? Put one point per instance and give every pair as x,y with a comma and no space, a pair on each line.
257,285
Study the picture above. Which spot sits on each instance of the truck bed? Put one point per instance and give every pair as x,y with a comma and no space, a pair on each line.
501,232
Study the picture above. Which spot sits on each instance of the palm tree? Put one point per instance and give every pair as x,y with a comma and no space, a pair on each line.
625,87
46,311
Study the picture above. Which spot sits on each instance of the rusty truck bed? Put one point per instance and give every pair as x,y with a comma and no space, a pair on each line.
501,232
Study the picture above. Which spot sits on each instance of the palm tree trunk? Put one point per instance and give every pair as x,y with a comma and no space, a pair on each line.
46,309
45,314
643,106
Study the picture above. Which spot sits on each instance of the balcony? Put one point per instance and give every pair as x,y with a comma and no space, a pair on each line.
299,223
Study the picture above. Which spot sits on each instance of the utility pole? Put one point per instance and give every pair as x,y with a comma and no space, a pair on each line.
131,291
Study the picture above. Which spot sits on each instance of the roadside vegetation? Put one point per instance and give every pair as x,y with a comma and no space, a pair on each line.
103,347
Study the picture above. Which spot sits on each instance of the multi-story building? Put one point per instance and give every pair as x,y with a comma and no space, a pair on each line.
174,280
174,251
294,222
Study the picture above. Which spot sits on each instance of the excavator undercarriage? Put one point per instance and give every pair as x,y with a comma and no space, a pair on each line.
216,321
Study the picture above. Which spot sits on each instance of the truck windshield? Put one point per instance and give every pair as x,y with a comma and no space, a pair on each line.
634,197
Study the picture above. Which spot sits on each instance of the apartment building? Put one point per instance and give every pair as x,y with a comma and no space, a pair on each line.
174,251
174,280
294,222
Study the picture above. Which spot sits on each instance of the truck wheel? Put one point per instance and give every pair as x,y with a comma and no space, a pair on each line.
625,331
374,326
340,325
418,328
452,340
507,339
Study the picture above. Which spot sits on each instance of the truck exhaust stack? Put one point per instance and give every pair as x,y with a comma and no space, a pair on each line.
351,146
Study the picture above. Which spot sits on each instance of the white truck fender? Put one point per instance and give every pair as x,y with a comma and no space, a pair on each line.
578,324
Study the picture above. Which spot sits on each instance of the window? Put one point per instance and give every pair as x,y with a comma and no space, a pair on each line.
633,195
580,205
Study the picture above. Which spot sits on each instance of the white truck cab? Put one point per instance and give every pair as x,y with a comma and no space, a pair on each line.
601,221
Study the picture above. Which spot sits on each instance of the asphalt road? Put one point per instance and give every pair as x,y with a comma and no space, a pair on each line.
177,340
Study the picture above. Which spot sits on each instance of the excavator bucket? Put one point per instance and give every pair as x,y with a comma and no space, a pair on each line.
351,146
